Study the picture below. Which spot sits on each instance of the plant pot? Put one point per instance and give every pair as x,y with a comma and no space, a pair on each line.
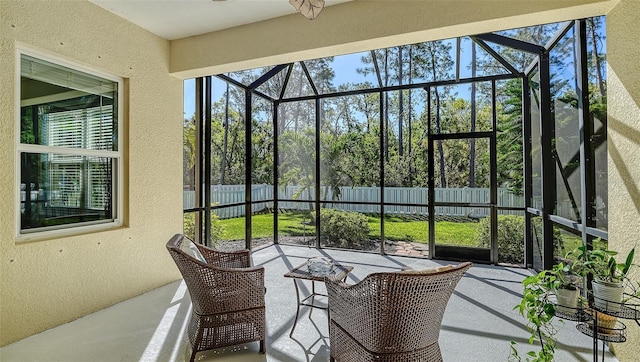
567,301
607,295
606,323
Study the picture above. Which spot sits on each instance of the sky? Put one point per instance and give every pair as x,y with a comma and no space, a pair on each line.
344,67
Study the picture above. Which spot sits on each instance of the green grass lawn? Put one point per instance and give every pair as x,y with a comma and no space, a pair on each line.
395,228
570,242
450,233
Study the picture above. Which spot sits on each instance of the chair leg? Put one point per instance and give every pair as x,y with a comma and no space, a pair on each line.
194,350
263,348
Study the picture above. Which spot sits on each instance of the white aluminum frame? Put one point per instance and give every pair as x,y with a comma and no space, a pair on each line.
118,181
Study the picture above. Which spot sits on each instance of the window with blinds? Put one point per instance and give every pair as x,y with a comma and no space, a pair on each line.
68,153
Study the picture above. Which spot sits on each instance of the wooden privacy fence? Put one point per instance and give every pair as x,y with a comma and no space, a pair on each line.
231,194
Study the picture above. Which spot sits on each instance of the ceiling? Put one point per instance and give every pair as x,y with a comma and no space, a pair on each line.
175,19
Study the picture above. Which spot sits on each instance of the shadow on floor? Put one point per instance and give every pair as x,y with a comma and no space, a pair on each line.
478,325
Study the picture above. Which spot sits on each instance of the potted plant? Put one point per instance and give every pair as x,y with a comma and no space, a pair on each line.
539,307
565,287
609,276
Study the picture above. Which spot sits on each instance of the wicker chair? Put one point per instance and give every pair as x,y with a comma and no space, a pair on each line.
227,295
393,316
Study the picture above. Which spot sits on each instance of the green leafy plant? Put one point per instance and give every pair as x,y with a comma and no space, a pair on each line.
617,271
510,237
601,263
539,309
610,278
564,278
189,227
511,230
343,228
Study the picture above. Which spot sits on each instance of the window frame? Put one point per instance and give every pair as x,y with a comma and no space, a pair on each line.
51,232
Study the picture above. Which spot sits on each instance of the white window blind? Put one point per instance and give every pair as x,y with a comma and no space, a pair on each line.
90,128
62,76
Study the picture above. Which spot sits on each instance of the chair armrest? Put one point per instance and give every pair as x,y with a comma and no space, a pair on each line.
336,282
222,259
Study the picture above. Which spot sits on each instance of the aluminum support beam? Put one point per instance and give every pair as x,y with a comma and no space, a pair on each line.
248,154
547,131
511,43
206,111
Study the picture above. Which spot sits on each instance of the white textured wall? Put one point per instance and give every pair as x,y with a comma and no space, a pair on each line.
623,107
50,282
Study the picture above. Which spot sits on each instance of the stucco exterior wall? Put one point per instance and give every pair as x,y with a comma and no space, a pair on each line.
50,282
623,107
363,25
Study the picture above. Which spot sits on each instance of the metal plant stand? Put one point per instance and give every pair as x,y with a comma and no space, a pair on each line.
615,330
601,323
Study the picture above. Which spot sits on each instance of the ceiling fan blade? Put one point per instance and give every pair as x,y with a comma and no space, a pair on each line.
310,9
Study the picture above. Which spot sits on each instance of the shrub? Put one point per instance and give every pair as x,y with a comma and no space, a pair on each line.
510,237
189,227
559,250
343,228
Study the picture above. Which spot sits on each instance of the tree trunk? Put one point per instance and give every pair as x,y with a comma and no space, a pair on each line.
400,105
386,106
443,178
223,166
409,125
296,114
596,57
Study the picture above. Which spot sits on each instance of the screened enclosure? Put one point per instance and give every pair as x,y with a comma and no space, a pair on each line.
468,148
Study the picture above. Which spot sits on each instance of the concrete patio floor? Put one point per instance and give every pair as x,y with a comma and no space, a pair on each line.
478,325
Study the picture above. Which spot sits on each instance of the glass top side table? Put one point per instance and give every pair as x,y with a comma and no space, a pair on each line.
300,273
